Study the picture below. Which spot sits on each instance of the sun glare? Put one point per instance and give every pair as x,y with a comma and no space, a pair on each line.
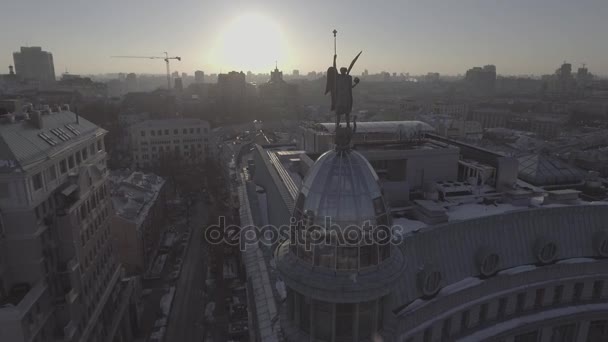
250,42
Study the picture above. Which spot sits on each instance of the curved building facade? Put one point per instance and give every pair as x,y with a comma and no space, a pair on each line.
491,267
337,276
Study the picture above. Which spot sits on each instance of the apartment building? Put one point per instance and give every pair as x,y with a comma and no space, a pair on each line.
184,139
59,278
139,202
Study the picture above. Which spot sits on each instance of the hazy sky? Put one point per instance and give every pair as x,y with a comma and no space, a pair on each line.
449,36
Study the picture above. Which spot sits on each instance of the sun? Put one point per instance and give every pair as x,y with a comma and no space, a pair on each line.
250,42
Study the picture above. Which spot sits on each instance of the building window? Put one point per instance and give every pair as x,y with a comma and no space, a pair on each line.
598,286
205,130
100,145
557,294
160,132
578,291
344,321
4,192
84,154
63,167
166,132
446,329
564,333
152,133
52,172
185,131
502,307
323,320
37,181
483,313
428,335
71,162
175,131
464,321
521,302
143,133
92,149
527,337
540,296
598,331
304,304
78,159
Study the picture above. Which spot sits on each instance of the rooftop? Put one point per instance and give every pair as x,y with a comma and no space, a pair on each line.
469,202
162,123
134,193
381,127
23,143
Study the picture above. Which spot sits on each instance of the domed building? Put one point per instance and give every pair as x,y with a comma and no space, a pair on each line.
337,281
477,253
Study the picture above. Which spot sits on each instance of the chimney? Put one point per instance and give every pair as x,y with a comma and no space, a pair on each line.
36,119
11,71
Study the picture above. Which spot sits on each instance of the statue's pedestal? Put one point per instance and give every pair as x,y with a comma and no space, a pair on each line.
343,137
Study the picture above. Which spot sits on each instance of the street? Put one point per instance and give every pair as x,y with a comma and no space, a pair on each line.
186,320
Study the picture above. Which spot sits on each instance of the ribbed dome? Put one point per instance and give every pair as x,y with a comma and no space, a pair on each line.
344,186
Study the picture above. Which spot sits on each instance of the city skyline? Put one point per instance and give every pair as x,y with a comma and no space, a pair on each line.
414,37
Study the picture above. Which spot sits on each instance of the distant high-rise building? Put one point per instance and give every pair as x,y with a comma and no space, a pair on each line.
175,74
199,76
131,82
295,73
31,63
179,85
184,76
482,79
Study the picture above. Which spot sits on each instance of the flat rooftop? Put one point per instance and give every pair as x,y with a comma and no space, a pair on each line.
469,202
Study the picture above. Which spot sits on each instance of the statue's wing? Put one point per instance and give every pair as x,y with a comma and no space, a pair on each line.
353,62
331,80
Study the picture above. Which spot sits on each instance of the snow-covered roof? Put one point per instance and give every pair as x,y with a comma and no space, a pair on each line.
134,193
384,127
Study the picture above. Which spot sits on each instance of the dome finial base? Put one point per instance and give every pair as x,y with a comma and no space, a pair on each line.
344,135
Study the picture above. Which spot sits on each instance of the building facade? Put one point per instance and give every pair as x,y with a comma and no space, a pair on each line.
468,260
139,203
59,278
155,141
31,63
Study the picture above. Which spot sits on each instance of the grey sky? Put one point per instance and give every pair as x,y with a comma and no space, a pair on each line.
519,36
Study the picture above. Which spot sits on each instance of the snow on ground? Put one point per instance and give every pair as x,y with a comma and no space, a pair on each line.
575,260
157,335
280,286
166,301
159,264
209,309
405,226
460,285
517,269
473,210
414,305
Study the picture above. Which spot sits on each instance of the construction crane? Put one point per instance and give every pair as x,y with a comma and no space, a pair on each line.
166,58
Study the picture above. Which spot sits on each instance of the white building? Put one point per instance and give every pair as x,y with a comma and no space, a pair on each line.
153,140
59,279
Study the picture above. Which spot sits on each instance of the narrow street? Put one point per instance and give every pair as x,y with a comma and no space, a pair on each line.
187,313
